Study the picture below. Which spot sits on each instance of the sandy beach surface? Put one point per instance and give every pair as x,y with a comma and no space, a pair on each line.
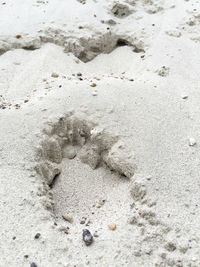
100,130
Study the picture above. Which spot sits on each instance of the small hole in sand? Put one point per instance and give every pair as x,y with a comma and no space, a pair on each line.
30,47
121,42
54,181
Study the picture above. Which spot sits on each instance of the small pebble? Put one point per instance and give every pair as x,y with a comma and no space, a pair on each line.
184,96
112,226
69,152
33,264
149,177
87,237
192,141
88,223
67,218
96,234
17,106
93,85
37,236
64,229
170,246
82,133
110,22
2,107
82,222
79,74
94,93
54,75
18,36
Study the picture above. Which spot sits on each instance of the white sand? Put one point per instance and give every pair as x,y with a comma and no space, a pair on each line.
147,99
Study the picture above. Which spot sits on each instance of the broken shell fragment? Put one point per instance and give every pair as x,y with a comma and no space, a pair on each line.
67,218
112,226
192,141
